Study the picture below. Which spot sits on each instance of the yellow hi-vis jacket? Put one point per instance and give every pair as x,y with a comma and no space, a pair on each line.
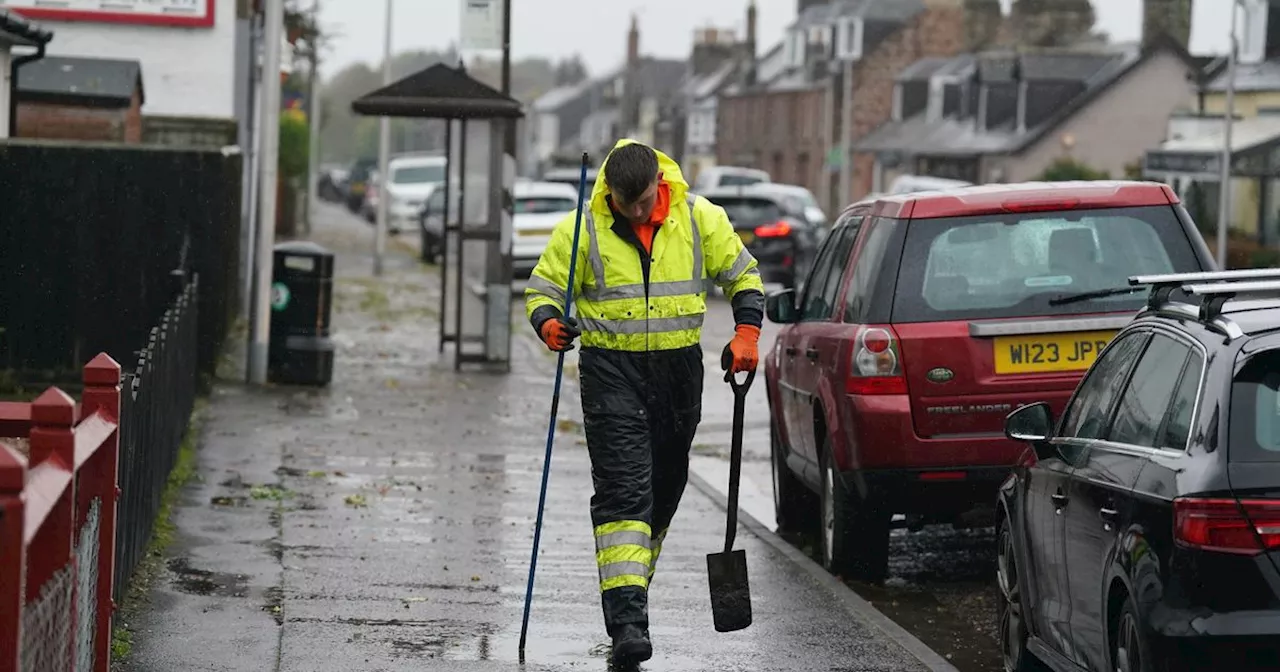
614,308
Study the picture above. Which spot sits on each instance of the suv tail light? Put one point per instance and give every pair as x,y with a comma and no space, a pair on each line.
876,366
775,230
1247,526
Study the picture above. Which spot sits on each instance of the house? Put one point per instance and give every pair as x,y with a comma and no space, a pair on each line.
1190,158
637,100
68,98
830,83
718,61
15,31
1007,116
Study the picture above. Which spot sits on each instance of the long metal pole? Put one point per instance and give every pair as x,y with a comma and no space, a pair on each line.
1228,120
384,152
510,137
272,38
846,137
313,109
255,150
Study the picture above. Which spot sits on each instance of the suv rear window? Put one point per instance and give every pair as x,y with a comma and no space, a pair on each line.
1254,432
749,212
1014,265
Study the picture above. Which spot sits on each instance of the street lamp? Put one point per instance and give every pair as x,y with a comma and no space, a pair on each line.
384,152
1228,119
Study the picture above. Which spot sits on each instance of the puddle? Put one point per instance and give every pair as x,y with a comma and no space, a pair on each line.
194,581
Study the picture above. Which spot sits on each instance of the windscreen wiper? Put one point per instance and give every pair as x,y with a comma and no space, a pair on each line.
1096,294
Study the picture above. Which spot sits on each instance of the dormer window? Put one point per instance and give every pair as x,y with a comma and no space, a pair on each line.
797,45
849,34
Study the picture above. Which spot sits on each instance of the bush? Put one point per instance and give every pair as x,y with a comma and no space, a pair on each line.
295,145
1067,169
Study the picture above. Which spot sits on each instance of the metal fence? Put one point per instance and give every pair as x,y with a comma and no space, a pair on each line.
156,403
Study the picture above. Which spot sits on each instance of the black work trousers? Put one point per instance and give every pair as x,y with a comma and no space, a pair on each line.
641,411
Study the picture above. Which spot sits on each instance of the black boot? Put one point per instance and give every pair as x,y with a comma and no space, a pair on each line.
631,645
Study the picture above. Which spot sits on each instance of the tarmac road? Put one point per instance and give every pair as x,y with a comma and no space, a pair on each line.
385,523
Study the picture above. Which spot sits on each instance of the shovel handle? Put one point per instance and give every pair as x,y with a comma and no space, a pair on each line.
735,453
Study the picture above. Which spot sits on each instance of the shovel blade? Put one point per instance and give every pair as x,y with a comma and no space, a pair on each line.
730,591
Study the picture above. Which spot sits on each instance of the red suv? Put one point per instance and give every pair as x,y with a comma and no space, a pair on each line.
929,317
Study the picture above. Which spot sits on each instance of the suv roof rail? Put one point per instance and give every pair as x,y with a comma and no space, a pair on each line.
1162,285
1215,295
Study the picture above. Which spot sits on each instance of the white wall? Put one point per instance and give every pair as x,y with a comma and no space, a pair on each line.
4,88
185,71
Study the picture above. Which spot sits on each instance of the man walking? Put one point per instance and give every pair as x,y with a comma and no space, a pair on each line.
647,247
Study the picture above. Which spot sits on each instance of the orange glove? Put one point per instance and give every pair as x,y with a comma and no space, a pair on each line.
744,348
558,333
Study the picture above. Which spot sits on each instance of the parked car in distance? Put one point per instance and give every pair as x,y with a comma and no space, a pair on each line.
927,318
431,223
570,176
539,206
413,178
357,183
777,227
372,192
1142,530
728,176
331,181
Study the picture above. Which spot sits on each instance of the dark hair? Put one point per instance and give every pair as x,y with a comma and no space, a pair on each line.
630,170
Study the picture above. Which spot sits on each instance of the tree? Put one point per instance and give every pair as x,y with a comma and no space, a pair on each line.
571,71
1067,169
1052,23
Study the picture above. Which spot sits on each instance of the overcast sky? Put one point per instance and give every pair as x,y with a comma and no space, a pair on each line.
597,28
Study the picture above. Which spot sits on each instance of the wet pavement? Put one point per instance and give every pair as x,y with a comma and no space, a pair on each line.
385,523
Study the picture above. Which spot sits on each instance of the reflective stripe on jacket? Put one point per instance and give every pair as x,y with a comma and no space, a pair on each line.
695,242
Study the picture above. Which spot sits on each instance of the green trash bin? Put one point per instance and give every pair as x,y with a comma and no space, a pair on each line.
300,351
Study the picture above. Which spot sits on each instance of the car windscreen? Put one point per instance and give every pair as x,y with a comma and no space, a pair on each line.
746,213
731,180
1254,431
1035,264
417,174
541,205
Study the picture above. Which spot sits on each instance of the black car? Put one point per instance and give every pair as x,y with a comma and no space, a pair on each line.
1142,531
358,183
775,228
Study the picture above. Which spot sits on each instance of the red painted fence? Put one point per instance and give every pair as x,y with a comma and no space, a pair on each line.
57,527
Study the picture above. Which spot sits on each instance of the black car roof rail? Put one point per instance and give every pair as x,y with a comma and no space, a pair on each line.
1213,296
1162,285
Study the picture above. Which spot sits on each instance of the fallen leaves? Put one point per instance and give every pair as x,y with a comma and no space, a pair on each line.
356,501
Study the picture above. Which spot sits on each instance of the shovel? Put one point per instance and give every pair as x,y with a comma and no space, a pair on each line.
727,571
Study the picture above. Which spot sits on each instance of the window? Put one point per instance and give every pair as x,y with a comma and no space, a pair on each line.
1146,398
418,174
1086,416
542,205
748,213
862,283
1015,265
1177,427
824,281
1254,432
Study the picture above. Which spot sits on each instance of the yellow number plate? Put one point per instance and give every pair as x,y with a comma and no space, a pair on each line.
1049,352
747,237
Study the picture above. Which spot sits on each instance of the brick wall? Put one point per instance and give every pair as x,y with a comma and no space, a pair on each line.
51,121
940,30
777,131
63,122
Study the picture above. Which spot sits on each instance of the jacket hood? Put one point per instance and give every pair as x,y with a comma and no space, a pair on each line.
671,174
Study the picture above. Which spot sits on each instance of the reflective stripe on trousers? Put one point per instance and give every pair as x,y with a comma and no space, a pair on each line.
623,554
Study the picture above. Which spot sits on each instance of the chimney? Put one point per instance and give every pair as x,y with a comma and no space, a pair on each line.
1167,17
633,41
751,30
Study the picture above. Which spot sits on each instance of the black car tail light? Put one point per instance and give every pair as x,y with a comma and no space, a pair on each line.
775,230
1246,526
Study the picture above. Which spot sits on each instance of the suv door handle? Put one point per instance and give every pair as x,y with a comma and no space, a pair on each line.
1059,501
791,351
811,353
